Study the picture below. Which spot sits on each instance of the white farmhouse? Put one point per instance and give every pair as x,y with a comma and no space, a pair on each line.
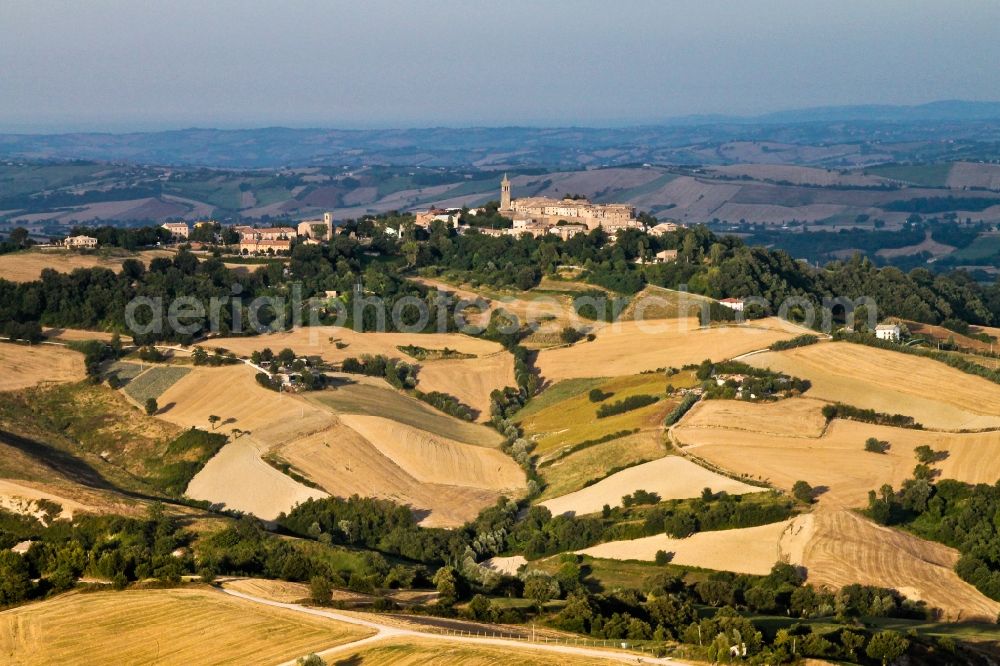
890,332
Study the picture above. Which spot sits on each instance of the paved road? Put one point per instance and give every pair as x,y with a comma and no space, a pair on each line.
384,631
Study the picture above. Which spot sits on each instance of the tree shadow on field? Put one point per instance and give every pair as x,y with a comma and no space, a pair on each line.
353,660
166,408
231,420
819,490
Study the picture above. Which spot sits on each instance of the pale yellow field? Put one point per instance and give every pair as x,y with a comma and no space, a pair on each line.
232,393
445,481
25,365
22,499
163,627
630,347
320,341
751,550
791,417
934,394
422,651
672,477
835,461
75,335
846,548
345,463
470,382
433,459
28,266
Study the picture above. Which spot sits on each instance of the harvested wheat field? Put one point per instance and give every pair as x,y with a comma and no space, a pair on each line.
31,365
232,393
750,550
163,627
630,347
471,383
891,382
282,591
76,335
834,462
446,483
432,459
671,477
788,418
322,341
28,266
846,548
238,478
466,652
355,394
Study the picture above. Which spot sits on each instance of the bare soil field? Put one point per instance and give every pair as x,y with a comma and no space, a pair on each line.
31,365
891,382
835,462
846,548
672,477
751,550
182,626
28,265
630,347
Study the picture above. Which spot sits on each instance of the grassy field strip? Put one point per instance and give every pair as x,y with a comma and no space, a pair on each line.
385,631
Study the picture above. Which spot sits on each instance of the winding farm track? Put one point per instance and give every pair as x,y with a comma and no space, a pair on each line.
385,631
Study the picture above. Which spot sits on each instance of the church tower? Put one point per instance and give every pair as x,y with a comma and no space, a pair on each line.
505,193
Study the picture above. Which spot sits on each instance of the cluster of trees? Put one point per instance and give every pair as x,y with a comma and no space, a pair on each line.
448,404
17,239
626,405
798,341
399,374
219,357
129,238
839,410
682,408
957,514
761,383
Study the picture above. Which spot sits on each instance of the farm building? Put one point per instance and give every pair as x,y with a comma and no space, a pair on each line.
179,230
890,332
86,242
733,303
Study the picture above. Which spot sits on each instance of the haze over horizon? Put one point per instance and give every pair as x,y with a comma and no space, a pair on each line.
114,66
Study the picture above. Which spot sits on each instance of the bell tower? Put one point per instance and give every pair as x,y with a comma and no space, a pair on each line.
505,193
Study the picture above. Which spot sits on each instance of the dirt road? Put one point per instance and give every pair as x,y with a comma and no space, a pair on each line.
385,631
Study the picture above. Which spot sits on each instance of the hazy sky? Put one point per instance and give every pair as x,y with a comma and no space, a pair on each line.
121,65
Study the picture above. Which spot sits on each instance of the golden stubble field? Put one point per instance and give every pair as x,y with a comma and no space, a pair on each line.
631,347
469,379
28,265
344,450
935,394
25,365
178,626
785,441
